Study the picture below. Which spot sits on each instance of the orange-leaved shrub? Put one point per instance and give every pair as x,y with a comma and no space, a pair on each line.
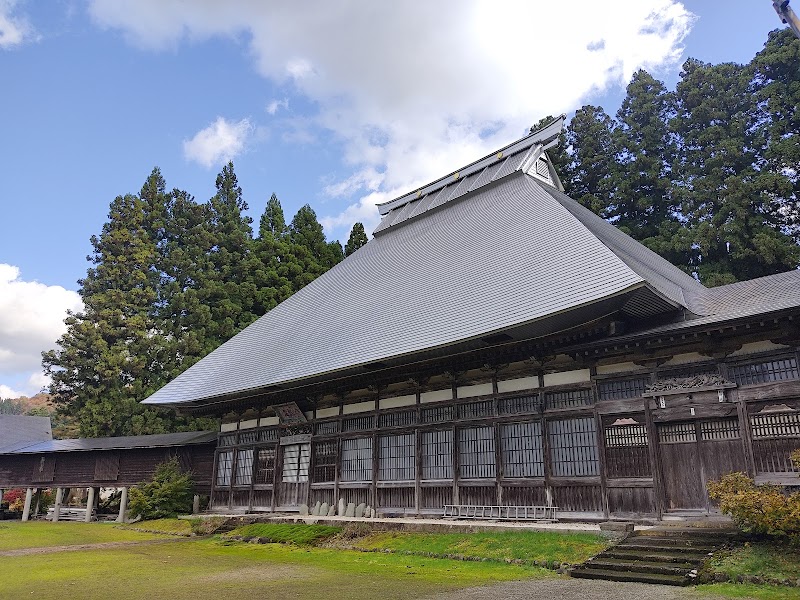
760,509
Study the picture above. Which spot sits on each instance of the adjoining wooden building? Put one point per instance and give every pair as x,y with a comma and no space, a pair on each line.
496,343
93,463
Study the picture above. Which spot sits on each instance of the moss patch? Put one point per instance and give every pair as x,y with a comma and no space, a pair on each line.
530,547
165,526
284,533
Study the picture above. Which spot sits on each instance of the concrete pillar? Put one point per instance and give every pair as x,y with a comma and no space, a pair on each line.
37,505
26,512
196,504
123,505
89,505
57,505
2,491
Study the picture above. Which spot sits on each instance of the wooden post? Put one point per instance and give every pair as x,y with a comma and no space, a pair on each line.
1,495
89,505
38,501
57,505
26,512
123,506
196,504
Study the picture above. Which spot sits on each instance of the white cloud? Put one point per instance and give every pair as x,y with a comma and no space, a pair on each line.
275,105
13,29
7,392
413,90
31,320
219,142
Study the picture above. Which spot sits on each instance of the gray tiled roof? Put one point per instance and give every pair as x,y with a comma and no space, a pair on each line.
17,431
488,249
116,443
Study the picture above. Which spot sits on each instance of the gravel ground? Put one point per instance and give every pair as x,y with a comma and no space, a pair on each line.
572,589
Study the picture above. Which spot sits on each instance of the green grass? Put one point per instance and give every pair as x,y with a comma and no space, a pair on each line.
286,533
200,569
15,535
772,561
166,526
759,592
529,546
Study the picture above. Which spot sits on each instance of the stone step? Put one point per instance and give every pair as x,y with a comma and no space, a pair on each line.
669,542
632,545
609,575
640,566
654,556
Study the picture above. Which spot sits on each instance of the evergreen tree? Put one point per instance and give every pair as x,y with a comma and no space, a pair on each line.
111,356
589,174
273,265
272,221
728,201
358,237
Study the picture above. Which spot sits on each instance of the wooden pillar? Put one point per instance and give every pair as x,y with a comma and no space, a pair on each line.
26,512
1,495
196,504
123,506
89,505
37,501
57,505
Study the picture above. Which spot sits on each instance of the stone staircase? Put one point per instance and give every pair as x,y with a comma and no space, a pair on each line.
667,556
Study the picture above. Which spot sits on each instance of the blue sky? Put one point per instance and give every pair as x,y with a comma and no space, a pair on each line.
335,104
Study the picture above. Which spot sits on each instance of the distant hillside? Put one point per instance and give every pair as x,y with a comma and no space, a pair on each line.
41,405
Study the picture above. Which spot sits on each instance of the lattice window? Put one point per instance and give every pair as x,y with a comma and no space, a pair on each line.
296,458
626,436
677,433
475,410
270,435
521,449
520,405
437,414
248,437
325,461
722,429
361,423
476,454
224,467
568,399
265,465
779,369
229,439
357,459
398,419
437,454
106,467
573,447
327,428
776,425
396,457
244,467
622,388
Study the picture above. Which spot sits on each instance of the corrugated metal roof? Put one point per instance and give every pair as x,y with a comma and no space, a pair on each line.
165,440
504,255
18,431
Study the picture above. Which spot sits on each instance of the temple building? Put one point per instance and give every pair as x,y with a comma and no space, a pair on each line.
498,344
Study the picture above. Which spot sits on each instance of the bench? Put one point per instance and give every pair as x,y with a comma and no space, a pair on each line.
68,513
505,513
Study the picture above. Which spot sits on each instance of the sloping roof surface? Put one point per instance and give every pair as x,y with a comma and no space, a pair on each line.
17,431
117,443
504,255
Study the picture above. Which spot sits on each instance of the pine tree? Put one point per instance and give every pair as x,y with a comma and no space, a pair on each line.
272,221
358,237
273,265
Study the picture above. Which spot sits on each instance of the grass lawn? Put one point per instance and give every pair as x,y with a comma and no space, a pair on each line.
15,535
201,569
286,533
746,590
529,546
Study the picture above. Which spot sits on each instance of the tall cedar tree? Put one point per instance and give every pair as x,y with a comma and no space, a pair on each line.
112,354
358,237
727,200
274,265
310,248
588,175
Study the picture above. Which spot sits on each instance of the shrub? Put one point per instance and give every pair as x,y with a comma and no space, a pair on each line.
168,494
760,509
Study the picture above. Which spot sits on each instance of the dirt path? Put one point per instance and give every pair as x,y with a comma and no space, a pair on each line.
572,589
97,546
